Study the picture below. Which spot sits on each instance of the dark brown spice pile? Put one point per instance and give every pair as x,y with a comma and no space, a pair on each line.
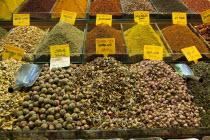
204,30
104,31
179,37
197,5
169,6
105,6
38,6
201,91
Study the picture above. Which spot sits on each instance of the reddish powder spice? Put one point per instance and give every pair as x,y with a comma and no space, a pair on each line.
38,6
105,6
104,31
179,37
197,5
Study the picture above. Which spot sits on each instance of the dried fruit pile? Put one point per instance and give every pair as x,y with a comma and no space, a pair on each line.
106,94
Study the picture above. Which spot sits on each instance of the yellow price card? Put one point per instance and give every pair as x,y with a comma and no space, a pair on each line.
142,17
179,18
105,46
104,18
59,51
153,52
69,17
192,54
205,16
11,52
21,19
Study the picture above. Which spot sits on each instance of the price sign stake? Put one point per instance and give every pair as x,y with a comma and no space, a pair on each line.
192,54
105,46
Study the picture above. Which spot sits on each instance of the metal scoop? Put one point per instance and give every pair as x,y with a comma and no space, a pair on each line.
26,76
184,71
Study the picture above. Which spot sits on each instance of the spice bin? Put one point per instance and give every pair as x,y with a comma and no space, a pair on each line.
155,35
172,32
90,56
24,33
44,57
144,5
82,15
94,8
33,14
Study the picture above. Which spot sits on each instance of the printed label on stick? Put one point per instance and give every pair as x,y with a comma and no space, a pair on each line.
205,16
12,52
142,17
69,17
153,52
104,18
21,19
191,53
59,51
105,46
179,18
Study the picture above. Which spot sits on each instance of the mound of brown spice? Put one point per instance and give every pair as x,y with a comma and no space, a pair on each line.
104,31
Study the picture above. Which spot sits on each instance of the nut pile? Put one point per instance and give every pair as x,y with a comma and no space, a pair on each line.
107,95
201,91
24,37
8,101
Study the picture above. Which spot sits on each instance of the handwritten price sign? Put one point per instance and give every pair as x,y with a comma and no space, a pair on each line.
105,46
69,17
21,19
12,52
104,18
59,51
179,18
153,52
192,54
142,17
205,16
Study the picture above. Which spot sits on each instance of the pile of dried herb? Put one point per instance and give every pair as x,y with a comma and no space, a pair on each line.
170,6
63,33
201,91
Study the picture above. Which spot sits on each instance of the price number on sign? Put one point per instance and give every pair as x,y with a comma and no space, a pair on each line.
142,17
104,18
179,18
12,52
105,46
192,54
205,16
69,17
21,19
59,51
153,52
